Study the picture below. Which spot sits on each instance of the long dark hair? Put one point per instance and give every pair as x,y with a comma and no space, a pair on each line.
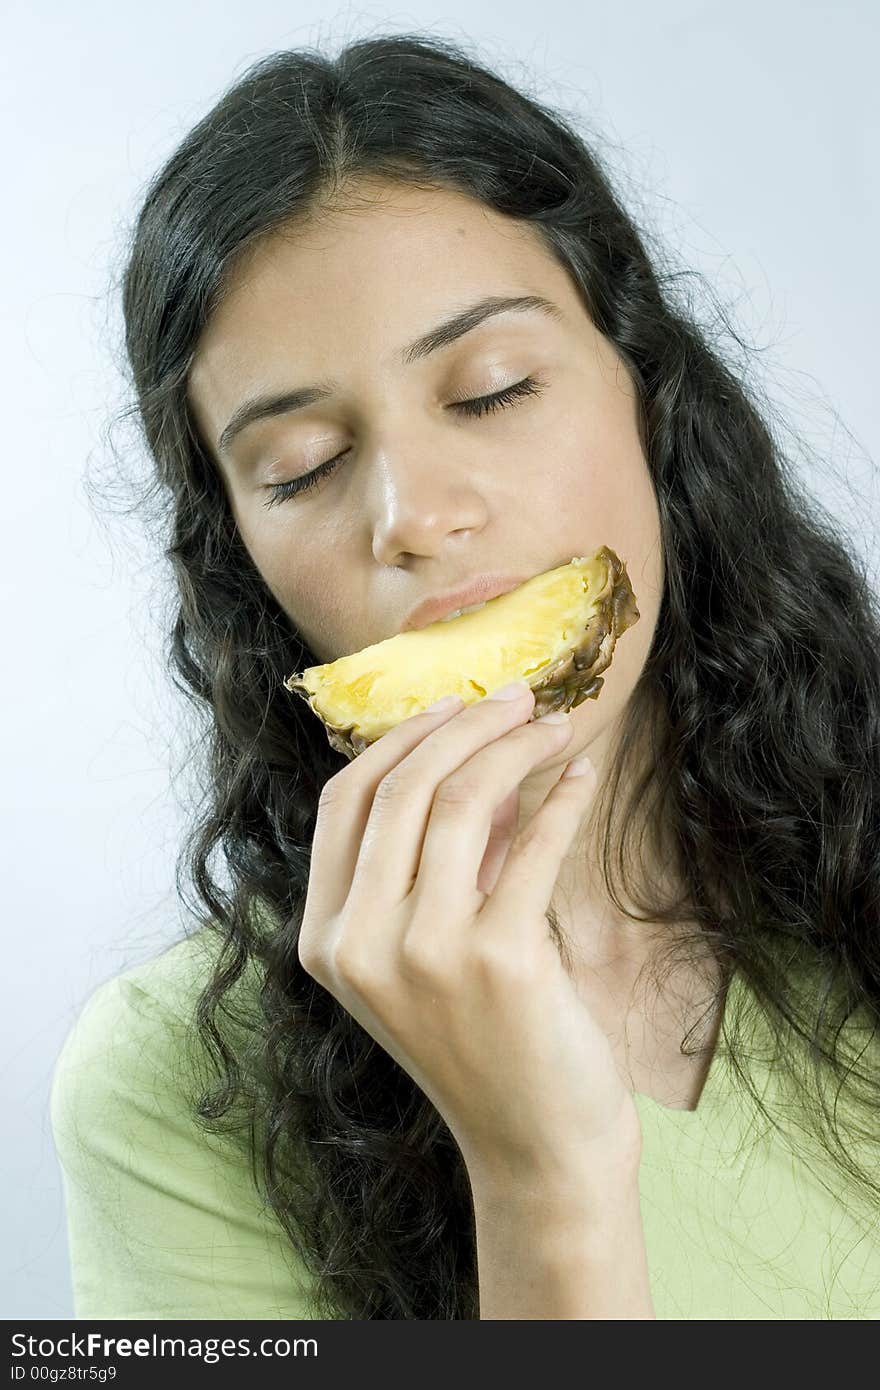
761,690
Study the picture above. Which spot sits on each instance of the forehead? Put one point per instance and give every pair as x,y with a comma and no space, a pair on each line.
384,229
357,280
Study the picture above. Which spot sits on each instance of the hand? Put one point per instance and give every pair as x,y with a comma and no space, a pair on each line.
463,987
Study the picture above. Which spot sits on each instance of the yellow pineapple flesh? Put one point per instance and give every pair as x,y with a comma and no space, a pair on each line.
557,631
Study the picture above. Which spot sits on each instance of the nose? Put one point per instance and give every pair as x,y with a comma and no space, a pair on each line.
420,501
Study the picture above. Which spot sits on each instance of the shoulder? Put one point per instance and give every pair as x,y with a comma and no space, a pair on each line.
133,1053
164,1218
148,1003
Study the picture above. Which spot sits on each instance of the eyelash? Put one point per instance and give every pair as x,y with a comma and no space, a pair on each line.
475,408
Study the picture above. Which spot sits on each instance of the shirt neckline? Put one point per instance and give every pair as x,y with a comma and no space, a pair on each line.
648,1105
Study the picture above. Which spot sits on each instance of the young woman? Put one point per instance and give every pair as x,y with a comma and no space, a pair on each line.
462,1036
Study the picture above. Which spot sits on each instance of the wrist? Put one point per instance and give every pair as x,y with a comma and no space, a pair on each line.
562,1178
546,1211
544,1254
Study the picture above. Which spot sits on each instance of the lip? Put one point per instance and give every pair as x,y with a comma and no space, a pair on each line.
478,590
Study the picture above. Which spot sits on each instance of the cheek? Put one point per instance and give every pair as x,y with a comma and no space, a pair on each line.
612,502
271,557
285,566
303,569
312,592
615,496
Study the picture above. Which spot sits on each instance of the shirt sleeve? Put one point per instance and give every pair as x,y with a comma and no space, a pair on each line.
164,1220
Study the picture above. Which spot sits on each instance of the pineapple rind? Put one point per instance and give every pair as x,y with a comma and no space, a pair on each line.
557,631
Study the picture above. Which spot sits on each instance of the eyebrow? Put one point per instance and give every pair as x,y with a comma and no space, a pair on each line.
264,406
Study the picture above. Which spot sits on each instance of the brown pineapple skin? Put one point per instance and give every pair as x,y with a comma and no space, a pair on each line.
575,677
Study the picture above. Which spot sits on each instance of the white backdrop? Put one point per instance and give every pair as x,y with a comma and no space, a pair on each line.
746,136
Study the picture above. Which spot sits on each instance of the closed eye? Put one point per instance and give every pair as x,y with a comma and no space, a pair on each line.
480,405
476,407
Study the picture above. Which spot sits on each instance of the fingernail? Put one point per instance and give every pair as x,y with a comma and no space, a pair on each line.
557,717
446,703
577,767
510,692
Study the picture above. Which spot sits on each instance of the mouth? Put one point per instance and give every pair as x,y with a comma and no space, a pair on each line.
457,612
468,598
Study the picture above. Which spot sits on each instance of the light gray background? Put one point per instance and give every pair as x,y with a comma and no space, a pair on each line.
746,135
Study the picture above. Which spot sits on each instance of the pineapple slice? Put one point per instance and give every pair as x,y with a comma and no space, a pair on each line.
556,631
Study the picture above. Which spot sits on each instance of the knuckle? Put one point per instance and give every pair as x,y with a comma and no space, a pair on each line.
310,957
392,787
458,791
331,792
421,959
347,963
534,841
497,962
416,959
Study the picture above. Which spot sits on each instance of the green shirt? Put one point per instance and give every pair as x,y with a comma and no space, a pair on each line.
164,1220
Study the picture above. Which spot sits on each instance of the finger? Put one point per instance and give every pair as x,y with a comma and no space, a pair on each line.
462,812
344,809
388,863
531,869
505,819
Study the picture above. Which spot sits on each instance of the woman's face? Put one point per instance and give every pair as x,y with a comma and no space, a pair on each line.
424,497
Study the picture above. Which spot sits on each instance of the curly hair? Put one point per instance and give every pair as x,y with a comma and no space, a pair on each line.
761,689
